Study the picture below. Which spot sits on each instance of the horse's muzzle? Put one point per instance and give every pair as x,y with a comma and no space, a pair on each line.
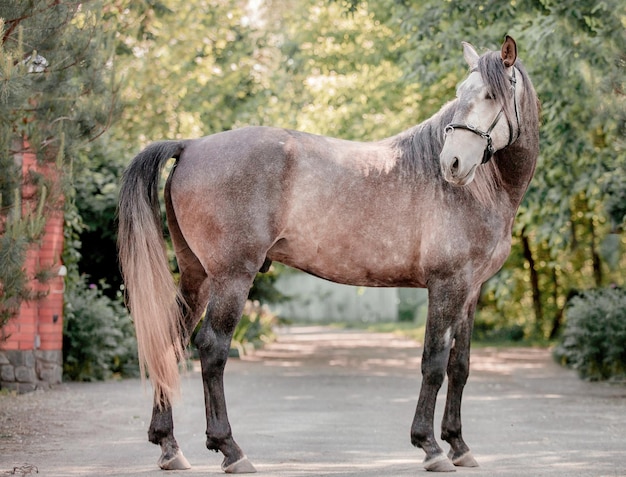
455,170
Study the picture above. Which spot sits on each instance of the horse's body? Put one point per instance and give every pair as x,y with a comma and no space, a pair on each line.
361,226
370,214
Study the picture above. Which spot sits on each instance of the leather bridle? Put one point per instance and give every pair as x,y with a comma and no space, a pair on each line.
489,149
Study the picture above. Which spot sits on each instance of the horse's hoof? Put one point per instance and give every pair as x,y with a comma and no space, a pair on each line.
465,460
439,463
242,466
178,462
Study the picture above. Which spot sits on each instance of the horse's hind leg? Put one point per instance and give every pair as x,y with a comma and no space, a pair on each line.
195,292
161,432
193,283
227,299
458,371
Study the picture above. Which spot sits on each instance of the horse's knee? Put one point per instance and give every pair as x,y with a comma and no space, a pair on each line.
434,369
213,349
433,376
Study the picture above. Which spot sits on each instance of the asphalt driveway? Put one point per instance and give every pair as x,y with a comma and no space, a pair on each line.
322,402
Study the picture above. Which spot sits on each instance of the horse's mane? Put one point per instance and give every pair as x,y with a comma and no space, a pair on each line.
494,75
418,148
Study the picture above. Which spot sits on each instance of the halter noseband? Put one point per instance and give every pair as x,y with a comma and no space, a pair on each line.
489,149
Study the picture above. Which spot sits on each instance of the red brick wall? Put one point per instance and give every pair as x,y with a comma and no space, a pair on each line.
39,324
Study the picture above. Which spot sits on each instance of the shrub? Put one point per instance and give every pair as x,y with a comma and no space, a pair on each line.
255,328
98,336
492,332
594,340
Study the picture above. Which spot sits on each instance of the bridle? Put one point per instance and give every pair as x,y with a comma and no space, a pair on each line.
489,149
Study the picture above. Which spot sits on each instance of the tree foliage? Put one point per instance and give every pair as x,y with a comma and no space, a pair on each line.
98,336
56,93
565,232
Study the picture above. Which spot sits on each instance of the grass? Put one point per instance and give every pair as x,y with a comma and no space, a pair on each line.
406,329
410,330
507,343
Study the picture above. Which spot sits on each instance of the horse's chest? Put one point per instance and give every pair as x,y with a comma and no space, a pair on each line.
474,245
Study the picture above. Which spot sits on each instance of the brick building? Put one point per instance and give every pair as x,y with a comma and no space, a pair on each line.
31,345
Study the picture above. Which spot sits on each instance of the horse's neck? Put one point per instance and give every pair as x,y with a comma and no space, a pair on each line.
517,162
517,166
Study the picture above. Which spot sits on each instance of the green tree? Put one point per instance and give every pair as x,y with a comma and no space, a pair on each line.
569,234
57,91
341,74
186,69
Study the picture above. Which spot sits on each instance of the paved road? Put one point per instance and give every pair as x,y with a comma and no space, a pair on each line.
322,402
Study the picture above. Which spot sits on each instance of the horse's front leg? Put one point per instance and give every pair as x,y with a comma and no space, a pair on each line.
444,312
458,372
213,342
434,361
161,432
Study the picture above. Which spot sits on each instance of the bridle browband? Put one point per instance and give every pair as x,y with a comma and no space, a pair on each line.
489,149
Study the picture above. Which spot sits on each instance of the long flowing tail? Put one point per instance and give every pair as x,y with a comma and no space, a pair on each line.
152,296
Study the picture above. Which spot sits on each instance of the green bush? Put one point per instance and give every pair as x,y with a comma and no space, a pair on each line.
594,340
98,336
486,331
255,328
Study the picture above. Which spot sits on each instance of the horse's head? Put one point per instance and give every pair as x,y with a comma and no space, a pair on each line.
486,118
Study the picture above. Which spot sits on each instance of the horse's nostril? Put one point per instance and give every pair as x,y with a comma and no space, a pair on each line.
455,165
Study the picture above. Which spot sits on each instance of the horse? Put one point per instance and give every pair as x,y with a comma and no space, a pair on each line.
432,207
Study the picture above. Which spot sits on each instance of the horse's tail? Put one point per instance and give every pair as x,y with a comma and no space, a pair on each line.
152,296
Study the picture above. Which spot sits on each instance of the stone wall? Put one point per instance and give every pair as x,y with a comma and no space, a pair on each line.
25,371
315,300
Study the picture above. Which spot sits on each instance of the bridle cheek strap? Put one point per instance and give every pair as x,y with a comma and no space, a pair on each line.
489,149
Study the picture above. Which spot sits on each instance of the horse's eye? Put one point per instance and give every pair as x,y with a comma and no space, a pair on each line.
488,95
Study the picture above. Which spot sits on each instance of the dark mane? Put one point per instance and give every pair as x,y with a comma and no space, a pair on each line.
494,75
418,148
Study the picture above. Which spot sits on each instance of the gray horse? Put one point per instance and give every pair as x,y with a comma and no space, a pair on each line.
432,207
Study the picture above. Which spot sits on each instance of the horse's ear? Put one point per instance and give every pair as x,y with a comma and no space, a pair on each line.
470,55
509,51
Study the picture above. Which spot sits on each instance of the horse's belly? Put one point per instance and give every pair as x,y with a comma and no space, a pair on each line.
356,261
